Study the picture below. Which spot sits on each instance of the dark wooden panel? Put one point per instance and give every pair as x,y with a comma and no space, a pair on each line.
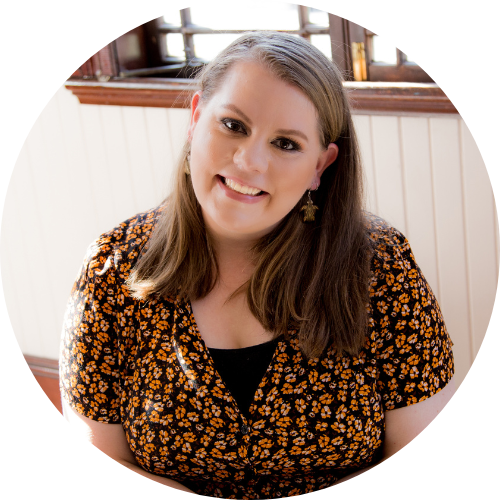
384,98
46,372
401,100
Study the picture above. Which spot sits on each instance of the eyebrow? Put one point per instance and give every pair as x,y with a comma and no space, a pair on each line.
237,110
283,131
293,132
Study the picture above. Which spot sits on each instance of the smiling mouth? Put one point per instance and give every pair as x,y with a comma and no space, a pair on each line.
238,188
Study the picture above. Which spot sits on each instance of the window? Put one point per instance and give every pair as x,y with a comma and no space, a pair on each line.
182,41
176,44
164,54
388,63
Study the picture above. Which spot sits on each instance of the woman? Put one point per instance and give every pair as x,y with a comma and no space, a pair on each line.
258,335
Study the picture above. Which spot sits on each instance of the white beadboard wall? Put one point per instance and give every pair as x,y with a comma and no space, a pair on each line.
86,168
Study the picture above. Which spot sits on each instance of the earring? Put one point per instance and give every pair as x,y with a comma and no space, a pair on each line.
187,170
309,208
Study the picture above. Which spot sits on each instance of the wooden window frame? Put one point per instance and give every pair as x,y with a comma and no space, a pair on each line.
344,33
157,29
125,72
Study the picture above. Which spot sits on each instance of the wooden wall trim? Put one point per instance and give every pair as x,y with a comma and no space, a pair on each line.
43,366
46,372
365,96
425,98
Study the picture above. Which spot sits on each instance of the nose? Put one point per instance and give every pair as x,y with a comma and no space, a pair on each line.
252,155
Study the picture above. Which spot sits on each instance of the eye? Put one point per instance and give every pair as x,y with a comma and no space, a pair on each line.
234,125
287,144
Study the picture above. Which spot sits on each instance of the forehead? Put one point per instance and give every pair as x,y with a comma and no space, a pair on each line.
251,77
251,83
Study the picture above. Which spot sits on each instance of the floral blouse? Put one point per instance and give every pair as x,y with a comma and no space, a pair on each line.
144,364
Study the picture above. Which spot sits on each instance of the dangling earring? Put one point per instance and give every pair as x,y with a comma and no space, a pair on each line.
187,170
309,208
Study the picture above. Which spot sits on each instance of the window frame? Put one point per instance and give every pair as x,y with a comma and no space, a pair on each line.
125,72
402,71
344,34
157,29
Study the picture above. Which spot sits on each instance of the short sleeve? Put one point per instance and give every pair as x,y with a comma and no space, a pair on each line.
88,365
408,335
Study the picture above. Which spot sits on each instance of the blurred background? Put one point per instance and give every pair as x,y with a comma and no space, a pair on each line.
105,146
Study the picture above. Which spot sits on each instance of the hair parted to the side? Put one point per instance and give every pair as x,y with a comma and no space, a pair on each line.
311,277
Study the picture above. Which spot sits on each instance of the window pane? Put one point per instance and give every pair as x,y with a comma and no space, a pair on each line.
208,46
409,58
172,15
175,45
220,15
383,51
318,17
323,43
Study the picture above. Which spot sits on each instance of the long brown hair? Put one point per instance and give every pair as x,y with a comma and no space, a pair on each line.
311,277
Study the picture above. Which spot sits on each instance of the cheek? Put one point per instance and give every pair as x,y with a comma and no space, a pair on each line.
289,193
209,153
295,180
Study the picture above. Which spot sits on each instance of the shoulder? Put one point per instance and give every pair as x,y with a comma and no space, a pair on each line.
386,240
407,333
397,283
391,250
123,243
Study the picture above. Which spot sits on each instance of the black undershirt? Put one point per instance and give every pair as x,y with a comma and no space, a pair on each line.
243,369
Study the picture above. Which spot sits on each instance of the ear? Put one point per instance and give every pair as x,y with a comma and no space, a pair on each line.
327,157
195,113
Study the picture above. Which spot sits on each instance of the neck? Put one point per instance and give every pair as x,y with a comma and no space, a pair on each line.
235,259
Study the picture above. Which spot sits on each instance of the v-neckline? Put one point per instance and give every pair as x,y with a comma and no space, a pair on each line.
280,346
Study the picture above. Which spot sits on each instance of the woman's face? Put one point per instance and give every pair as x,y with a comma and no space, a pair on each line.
255,150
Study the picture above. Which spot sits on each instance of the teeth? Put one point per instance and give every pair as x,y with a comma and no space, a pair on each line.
241,189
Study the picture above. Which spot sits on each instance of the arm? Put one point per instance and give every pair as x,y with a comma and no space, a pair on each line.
111,440
404,424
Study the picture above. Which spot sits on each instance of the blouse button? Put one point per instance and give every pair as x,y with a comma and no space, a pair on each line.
245,429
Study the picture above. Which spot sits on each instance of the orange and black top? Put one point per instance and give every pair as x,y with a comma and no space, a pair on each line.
311,422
